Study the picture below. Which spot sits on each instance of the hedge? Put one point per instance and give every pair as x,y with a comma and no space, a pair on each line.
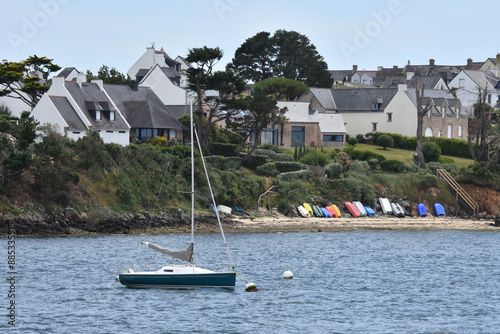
365,155
224,149
449,146
255,161
305,174
268,169
288,166
392,166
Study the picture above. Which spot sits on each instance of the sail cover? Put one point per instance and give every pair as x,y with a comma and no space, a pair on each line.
185,254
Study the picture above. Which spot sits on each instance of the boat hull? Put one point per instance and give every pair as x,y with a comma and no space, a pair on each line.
386,206
439,209
360,208
178,281
369,211
422,210
352,209
326,213
332,212
336,209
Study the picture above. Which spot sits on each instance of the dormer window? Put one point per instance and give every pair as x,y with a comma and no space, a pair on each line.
111,115
97,115
375,106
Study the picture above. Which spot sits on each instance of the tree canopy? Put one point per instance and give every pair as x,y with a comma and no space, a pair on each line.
109,76
286,54
26,80
282,88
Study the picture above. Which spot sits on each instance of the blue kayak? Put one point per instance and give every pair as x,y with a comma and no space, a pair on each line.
369,211
422,210
439,209
325,213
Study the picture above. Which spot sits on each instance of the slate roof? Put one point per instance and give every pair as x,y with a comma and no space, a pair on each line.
142,107
427,81
300,112
66,72
483,78
67,112
340,75
169,61
439,98
393,81
362,100
178,110
90,92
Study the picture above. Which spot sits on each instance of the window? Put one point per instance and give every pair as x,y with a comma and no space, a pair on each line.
428,132
109,131
375,106
97,115
111,115
449,130
76,132
460,131
389,117
298,135
461,83
333,138
439,133
374,127
489,98
121,132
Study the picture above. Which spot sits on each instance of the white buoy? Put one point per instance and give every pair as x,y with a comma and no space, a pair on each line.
251,287
287,274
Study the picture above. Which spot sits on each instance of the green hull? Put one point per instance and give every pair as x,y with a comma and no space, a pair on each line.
178,281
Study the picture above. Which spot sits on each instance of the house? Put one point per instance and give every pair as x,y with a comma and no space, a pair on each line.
74,107
387,110
492,64
364,77
468,83
164,75
311,127
120,113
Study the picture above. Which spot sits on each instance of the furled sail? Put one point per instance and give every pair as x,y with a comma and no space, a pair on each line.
185,254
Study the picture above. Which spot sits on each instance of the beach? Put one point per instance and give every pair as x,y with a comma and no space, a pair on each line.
282,223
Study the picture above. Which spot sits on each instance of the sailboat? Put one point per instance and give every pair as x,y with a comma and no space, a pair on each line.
185,275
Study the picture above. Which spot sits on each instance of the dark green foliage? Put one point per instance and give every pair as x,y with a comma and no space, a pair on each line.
255,161
315,158
361,139
273,154
445,160
365,155
293,176
432,151
394,166
361,167
230,163
352,141
288,166
109,76
334,170
268,169
224,149
450,168
385,141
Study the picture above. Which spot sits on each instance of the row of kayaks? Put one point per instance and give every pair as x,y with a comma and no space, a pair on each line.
357,209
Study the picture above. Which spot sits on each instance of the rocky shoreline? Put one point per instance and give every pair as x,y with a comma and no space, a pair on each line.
70,223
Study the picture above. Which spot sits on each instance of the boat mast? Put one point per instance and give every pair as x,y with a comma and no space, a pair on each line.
192,168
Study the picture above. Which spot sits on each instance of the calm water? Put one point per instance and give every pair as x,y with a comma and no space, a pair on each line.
347,282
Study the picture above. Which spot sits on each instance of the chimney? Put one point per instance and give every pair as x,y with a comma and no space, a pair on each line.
355,68
379,68
81,78
57,81
409,75
99,83
498,61
431,62
469,63
395,67
134,85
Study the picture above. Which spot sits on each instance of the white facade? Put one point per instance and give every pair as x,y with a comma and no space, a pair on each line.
467,84
168,92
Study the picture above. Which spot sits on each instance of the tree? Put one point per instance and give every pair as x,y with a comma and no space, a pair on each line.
385,141
480,130
26,80
421,112
431,151
282,88
286,54
109,76
261,110
205,59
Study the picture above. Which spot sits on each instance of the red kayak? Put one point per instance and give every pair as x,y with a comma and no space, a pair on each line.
332,212
352,209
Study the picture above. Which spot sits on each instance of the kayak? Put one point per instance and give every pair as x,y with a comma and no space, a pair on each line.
337,211
360,207
422,210
352,209
308,208
369,211
439,209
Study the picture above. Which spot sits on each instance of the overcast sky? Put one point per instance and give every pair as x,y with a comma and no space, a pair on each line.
368,33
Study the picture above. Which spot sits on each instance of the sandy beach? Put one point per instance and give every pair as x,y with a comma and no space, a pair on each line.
282,223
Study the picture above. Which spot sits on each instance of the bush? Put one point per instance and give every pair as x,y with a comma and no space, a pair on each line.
255,161
445,160
224,149
268,169
273,155
385,141
392,166
292,176
315,159
359,168
432,151
361,139
230,163
288,166
412,168
352,141
365,155
334,170
450,168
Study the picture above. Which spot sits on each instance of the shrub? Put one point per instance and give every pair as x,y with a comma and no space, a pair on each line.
224,149
392,166
359,168
292,176
268,169
385,141
445,160
352,141
412,168
288,166
365,155
255,161
334,170
315,159
450,168
373,163
230,163
361,139
432,151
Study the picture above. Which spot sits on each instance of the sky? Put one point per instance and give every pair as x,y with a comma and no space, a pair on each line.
368,33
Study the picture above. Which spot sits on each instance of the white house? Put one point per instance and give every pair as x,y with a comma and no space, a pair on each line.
467,84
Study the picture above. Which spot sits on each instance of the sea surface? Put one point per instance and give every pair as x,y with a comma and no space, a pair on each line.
344,282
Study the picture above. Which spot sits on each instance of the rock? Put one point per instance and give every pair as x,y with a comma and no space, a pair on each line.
71,214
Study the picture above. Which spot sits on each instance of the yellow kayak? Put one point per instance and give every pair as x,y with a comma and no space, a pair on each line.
337,211
308,208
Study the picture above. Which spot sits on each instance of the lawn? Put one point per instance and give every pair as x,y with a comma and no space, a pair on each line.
405,155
